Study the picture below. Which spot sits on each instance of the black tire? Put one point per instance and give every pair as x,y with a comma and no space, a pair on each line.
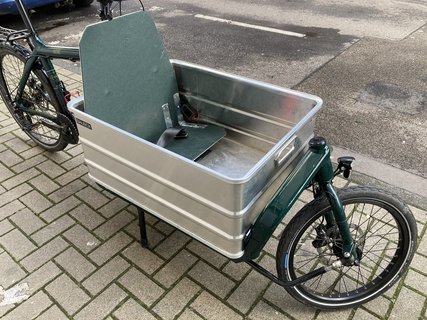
385,234
82,3
38,95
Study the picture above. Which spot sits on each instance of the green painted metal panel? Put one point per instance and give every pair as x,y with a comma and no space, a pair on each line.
127,75
199,140
283,200
127,78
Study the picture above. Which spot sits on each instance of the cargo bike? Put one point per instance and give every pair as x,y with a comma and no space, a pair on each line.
224,158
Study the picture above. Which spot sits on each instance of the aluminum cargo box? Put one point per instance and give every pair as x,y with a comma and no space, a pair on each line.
217,197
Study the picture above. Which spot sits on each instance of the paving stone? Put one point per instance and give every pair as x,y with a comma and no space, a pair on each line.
263,311
35,201
66,191
67,294
175,268
17,244
60,208
132,310
44,254
105,275
279,230
113,207
271,246
419,214
10,158
10,196
340,182
10,271
87,217
5,309
51,169
363,315
280,298
417,281
9,122
207,253
34,151
53,229
10,208
110,248
419,263
75,264
53,313
57,157
5,226
92,197
41,276
211,279
29,163
188,314
5,173
20,178
102,305
81,238
7,127
73,162
236,270
71,175
143,258
164,227
114,224
422,246
75,150
27,221
172,244
153,235
30,308
248,291
141,286
91,183
17,145
44,184
176,299
334,315
212,308
379,306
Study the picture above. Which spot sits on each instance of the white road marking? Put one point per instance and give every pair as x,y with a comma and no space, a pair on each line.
252,26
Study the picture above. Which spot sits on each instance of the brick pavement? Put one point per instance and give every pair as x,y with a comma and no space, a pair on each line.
76,246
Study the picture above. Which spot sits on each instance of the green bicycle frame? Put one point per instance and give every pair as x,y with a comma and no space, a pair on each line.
314,166
42,53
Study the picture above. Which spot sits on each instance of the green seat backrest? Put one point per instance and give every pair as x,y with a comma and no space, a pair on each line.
127,75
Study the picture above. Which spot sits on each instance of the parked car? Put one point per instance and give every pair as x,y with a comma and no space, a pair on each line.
9,6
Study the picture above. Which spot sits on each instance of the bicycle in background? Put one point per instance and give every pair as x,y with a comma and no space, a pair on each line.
30,86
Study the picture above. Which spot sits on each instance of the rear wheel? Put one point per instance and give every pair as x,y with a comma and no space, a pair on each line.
384,233
38,95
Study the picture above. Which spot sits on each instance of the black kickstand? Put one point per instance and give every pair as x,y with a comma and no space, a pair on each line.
142,228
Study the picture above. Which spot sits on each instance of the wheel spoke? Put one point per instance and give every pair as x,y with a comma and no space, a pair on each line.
34,97
380,240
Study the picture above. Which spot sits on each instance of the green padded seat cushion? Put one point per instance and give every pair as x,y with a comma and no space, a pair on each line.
127,78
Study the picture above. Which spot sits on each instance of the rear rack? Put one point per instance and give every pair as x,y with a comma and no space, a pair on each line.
12,35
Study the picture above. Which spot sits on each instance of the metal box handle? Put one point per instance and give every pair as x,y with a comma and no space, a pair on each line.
280,158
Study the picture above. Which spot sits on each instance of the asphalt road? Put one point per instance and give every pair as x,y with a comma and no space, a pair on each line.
366,59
